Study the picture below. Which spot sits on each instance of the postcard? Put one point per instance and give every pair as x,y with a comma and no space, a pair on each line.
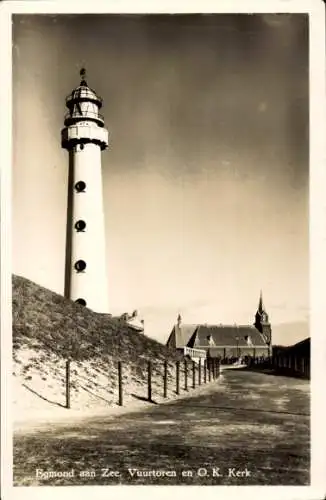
163,242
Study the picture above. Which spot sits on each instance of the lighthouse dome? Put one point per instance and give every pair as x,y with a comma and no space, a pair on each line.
83,93
83,104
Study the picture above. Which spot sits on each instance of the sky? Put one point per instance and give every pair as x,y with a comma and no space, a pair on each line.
205,181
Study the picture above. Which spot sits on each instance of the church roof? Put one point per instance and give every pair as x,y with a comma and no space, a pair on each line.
215,335
228,335
180,336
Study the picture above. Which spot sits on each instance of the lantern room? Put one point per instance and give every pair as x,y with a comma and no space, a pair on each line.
83,104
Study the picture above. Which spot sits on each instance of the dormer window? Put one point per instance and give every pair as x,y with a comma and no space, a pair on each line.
210,340
248,340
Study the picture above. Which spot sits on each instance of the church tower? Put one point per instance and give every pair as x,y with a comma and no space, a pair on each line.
84,137
262,321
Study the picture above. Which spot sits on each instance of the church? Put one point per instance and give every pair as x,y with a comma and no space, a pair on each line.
224,341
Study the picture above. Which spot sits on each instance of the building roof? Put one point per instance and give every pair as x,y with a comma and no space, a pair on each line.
180,336
228,335
210,336
133,320
301,348
136,323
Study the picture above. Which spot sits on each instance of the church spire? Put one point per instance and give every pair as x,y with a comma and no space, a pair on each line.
261,314
261,308
262,321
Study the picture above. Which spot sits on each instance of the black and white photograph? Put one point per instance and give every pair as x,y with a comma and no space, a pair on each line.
160,249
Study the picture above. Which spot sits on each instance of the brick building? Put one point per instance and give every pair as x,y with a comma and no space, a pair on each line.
224,341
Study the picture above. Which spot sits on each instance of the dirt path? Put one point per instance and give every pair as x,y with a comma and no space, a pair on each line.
252,428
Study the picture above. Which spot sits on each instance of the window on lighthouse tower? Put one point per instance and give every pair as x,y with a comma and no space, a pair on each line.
80,186
80,266
81,301
80,226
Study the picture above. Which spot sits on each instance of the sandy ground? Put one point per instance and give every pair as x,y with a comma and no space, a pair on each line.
244,421
32,412
39,385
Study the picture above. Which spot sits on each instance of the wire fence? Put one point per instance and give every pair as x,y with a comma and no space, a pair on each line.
160,378
75,383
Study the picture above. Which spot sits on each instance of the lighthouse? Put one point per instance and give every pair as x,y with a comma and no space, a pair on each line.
85,137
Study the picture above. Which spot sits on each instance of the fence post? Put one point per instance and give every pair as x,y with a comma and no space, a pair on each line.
199,372
205,371
165,382
120,383
68,383
193,375
186,375
209,369
149,374
177,377
302,366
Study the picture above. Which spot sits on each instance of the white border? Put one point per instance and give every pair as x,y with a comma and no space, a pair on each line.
316,11
161,6
317,233
5,249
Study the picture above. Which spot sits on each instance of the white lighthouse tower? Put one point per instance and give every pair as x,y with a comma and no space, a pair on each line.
84,136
